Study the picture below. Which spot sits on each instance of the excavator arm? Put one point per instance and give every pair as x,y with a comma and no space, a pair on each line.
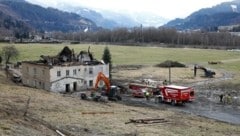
111,92
102,77
208,73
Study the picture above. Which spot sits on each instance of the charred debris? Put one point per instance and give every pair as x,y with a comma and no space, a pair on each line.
68,57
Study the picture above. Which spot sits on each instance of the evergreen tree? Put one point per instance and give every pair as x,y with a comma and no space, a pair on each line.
108,60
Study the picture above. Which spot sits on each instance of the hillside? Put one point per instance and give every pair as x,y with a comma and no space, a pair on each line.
110,18
27,111
16,14
209,18
90,14
10,24
103,18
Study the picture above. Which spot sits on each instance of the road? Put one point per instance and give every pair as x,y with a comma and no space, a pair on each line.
206,104
202,106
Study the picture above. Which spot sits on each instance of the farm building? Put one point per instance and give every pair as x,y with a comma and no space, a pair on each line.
65,72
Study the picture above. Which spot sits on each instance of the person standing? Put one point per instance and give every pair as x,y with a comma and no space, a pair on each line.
221,98
165,82
147,95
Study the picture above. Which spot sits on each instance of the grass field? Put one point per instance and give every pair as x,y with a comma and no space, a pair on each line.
134,55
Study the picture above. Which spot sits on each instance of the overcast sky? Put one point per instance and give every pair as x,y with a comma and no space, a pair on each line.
166,8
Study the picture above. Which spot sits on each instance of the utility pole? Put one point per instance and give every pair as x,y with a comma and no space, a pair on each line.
142,34
169,72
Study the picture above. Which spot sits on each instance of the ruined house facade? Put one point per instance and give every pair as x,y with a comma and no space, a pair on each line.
65,72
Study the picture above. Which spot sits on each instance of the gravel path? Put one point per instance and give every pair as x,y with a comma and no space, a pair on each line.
206,104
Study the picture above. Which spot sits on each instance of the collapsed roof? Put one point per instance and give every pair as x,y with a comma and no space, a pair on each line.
67,56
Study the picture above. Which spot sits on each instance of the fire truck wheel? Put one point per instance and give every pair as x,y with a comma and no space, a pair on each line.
160,100
173,102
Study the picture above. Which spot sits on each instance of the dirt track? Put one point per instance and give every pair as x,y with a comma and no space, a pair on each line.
202,106
207,102
48,112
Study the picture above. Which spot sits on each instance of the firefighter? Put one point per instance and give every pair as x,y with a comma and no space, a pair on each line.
165,82
229,99
147,95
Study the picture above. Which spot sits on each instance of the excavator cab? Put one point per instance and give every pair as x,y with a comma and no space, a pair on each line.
114,93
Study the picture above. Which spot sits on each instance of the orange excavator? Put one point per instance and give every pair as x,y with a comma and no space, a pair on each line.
102,77
112,92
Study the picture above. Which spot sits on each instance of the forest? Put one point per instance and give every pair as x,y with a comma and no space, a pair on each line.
158,36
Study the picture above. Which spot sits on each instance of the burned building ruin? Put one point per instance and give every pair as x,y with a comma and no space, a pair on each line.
65,72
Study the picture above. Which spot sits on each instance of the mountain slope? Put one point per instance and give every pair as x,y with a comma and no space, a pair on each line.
90,14
121,19
149,19
10,24
113,19
44,19
209,18
105,19
133,19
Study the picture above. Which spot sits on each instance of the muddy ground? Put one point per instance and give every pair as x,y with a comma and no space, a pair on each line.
207,102
28,111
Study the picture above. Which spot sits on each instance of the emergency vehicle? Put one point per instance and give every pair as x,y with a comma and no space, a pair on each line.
176,94
147,85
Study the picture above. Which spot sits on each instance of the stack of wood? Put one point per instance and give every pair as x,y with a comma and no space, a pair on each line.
147,121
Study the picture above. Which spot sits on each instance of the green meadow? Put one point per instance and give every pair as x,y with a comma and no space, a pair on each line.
136,55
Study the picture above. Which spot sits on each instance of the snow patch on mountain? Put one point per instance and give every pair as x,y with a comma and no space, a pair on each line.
234,8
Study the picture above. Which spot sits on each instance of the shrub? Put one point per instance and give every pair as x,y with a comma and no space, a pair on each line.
170,63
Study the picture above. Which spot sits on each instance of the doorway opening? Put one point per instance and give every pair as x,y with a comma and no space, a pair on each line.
67,89
75,86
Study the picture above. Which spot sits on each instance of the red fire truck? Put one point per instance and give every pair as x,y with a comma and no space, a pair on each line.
138,89
175,94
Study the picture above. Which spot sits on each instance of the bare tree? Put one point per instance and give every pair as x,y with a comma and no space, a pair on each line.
9,52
